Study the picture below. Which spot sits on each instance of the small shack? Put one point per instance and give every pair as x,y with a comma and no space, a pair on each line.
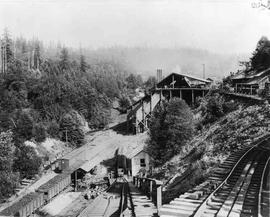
135,162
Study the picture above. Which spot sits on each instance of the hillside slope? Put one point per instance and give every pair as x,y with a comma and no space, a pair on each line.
206,151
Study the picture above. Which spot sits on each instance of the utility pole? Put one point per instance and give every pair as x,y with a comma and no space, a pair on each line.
203,71
1,56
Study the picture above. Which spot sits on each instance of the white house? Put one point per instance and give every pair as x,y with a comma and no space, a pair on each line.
138,161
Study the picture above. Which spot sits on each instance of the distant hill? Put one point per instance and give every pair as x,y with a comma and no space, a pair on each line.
145,61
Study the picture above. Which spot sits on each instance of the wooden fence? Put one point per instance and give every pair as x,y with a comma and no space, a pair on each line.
151,188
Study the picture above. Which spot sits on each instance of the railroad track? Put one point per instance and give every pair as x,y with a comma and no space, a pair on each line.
239,187
125,203
117,202
126,207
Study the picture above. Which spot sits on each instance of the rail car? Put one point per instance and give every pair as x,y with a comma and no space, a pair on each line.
31,202
54,186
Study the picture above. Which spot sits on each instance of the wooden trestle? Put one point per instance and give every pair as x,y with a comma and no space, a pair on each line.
141,111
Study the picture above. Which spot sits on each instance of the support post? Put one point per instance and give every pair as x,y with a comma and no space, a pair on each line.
192,95
203,93
75,181
170,94
150,103
159,196
181,95
160,94
151,190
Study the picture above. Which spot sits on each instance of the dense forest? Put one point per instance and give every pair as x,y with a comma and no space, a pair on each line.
45,92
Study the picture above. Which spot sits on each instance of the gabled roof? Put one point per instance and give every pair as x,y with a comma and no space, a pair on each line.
136,151
185,75
193,77
250,74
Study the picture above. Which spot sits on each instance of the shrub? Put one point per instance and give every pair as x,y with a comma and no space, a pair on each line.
39,132
124,103
211,108
8,183
27,162
24,126
53,129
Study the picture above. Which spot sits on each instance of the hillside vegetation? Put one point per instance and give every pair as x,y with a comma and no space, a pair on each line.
212,146
222,126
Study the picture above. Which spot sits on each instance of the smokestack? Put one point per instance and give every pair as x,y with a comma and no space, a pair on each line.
159,75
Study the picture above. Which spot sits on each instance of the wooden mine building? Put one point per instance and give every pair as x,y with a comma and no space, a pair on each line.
135,162
179,85
251,82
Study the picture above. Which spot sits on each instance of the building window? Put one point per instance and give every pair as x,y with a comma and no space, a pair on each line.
142,162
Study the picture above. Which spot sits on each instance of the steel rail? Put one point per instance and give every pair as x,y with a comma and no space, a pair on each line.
122,198
202,207
108,199
261,188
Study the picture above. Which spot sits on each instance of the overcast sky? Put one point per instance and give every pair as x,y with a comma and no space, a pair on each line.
215,25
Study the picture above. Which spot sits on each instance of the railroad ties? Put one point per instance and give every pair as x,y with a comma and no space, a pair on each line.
143,206
115,202
239,187
121,199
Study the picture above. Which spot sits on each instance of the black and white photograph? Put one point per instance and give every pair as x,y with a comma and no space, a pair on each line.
134,108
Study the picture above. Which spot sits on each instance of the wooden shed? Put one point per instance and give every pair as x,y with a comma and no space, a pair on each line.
134,162
250,82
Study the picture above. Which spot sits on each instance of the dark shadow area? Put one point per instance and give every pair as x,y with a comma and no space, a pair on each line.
121,111
121,128
111,163
119,165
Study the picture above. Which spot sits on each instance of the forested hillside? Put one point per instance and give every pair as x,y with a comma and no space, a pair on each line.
52,92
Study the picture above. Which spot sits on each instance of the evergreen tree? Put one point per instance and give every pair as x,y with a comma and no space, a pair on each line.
83,64
37,55
6,151
64,58
150,83
170,128
261,57
7,43
8,179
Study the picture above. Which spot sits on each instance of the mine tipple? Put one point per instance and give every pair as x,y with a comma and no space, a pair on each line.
182,86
